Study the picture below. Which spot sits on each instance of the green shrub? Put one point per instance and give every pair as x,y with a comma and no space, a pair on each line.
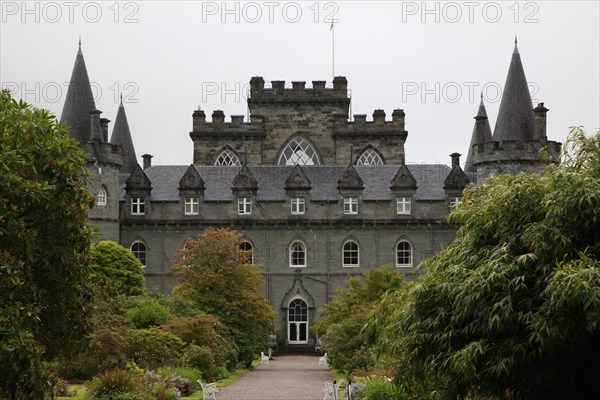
197,329
112,383
181,306
381,389
183,378
152,348
247,349
157,387
190,373
116,269
203,359
146,311
206,330
222,373
106,352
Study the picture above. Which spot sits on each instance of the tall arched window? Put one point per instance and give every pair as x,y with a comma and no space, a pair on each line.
101,197
369,157
404,254
350,254
139,251
248,250
297,254
227,157
298,152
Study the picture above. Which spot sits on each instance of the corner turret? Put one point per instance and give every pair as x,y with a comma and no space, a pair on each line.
482,133
515,118
79,102
122,136
519,143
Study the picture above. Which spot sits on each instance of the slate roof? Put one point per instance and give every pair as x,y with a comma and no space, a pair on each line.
79,102
271,181
122,136
515,117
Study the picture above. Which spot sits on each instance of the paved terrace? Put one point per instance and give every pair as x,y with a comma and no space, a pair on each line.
284,378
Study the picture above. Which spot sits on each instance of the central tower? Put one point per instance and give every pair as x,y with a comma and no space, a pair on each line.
298,126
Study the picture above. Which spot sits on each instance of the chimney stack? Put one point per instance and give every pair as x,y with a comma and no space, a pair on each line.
147,161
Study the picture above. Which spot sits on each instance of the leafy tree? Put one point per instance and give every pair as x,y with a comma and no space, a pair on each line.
511,308
342,320
215,274
147,311
44,247
117,270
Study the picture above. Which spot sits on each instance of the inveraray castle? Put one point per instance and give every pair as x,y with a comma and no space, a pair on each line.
319,195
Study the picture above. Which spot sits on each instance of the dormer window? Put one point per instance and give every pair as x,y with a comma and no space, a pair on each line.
403,205
350,205
244,206
455,201
191,205
297,205
138,206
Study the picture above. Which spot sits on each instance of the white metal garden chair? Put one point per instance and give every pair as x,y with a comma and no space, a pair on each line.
323,360
263,358
209,390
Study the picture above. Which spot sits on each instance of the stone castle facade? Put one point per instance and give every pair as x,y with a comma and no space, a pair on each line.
318,196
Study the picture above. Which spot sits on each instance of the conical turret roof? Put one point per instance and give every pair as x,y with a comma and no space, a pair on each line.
122,136
487,136
79,102
515,118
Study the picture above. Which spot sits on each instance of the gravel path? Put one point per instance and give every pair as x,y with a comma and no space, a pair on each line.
284,378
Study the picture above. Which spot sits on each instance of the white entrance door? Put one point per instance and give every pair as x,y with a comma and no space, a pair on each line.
298,322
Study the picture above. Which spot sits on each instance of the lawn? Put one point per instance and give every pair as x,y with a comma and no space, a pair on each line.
238,373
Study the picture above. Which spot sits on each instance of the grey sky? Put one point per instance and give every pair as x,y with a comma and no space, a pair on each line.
431,59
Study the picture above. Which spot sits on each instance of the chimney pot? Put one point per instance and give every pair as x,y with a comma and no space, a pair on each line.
455,159
147,160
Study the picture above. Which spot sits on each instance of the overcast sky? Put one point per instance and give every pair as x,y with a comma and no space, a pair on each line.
431,59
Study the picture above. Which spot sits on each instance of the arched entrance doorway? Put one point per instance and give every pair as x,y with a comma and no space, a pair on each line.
298,322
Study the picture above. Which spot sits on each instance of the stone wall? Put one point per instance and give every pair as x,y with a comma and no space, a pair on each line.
271,230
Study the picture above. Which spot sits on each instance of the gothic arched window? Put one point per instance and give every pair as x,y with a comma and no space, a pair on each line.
101,197
297,254
350,254
299,152
369,157
248,250
227,157
139,251
404,253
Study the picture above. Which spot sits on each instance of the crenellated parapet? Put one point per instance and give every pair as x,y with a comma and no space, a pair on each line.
377,127
236,128
514,156
517,150
278,93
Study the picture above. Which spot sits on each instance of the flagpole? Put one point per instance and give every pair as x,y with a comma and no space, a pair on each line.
332,47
